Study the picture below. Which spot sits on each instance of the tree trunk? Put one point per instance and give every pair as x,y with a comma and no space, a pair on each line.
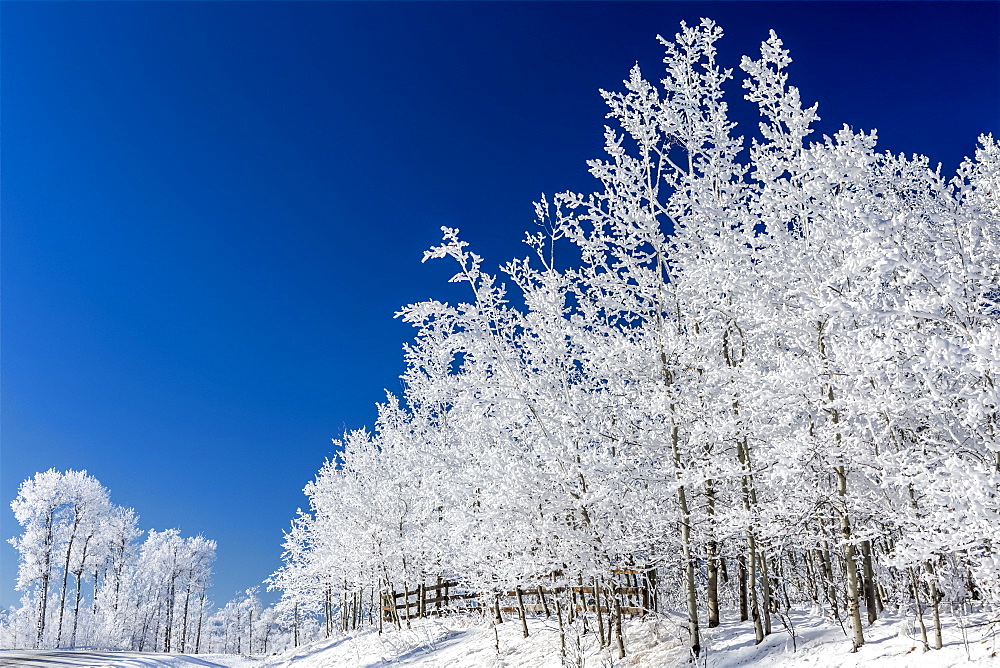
831,588
201,616
812,574
62,594
562,629
620,638
920,610
93,604
328,612
871,605
184,624
43,597
46,574
169,625
758,627
850,567
742,568
765,587
295,621
688,557
603,640
751,558
712,550
78,575
935,609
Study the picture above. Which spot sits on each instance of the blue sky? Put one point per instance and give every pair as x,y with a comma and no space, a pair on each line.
211,211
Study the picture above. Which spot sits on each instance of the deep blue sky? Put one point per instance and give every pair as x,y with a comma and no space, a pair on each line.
211,211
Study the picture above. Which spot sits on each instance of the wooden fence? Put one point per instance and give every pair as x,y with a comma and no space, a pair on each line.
628,592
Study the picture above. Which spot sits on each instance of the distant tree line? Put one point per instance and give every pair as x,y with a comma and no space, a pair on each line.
88,580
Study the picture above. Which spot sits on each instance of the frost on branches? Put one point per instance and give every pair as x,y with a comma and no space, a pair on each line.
763,375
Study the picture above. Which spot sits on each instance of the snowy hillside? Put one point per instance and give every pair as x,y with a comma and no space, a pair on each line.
465,642
893,642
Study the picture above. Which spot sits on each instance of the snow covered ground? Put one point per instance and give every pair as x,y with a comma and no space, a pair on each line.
57,658
892,642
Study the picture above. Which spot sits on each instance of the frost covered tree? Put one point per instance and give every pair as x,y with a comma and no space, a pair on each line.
86,580
63,515
760,374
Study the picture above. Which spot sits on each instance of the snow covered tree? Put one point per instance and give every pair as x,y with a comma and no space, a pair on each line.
779,365
86,580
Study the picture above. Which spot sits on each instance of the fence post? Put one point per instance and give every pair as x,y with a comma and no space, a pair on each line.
520,611
541,597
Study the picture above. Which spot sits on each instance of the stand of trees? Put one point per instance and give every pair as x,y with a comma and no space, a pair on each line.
88,581
765,374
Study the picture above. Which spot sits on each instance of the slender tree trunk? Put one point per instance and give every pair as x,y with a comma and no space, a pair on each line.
751,558
831,587
184,625
604,640
782,575
867,570
76,605
169,624
201,616
358,605
62,594
850,566
93,604
328,612
653,578
686,552
562,628
619,636
758,627
742,569
812,574
712,550
497,616
765,587
935,609
46,574
920,610
295,621
43,597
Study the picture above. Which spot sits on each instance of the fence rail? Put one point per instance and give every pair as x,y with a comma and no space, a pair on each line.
627,592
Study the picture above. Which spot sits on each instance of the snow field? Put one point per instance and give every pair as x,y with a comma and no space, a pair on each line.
892,642
465,642
58,658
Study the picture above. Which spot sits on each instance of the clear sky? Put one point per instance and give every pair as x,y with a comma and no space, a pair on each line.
211,211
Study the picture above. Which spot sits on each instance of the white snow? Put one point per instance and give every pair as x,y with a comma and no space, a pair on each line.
892,642
55,658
